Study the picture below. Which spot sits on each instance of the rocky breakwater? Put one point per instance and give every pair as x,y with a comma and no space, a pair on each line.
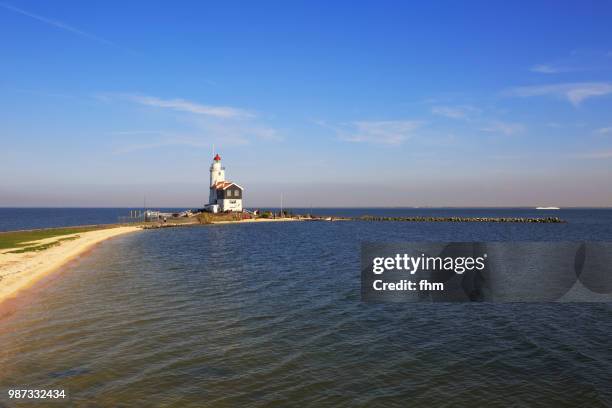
541,220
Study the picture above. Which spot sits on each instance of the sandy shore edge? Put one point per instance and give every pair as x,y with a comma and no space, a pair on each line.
19,271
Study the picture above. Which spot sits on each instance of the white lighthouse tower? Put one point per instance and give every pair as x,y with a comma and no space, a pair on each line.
224,195
217,174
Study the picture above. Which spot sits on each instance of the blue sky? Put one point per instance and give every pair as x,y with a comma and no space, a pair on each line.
332,103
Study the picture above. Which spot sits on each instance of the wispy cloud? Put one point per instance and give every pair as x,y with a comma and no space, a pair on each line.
549,69
236,132
503,128
576,61
455,112
136,132
203,136
576,93
604,131
59,24
223,112
386,132
201,126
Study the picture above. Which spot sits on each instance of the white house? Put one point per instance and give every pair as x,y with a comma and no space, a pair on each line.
224,195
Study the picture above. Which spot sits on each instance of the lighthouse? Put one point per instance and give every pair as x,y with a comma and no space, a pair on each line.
224,195
217,174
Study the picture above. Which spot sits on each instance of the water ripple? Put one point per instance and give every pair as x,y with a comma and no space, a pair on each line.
269,315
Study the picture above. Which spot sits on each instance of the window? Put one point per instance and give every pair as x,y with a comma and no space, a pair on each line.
229,193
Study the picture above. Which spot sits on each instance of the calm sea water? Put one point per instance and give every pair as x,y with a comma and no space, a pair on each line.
12,219
270,315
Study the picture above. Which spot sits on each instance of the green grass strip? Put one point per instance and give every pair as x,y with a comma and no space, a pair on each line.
18,239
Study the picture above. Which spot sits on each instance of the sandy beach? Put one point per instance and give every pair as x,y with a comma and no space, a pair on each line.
21,270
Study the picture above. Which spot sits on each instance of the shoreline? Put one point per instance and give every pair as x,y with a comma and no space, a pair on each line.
21,270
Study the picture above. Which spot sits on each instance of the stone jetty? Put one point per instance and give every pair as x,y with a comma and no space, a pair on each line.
540,220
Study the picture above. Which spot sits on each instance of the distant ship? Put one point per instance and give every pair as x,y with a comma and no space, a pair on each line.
547,208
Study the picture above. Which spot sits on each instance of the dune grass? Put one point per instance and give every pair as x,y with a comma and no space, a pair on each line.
209,218
23,239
